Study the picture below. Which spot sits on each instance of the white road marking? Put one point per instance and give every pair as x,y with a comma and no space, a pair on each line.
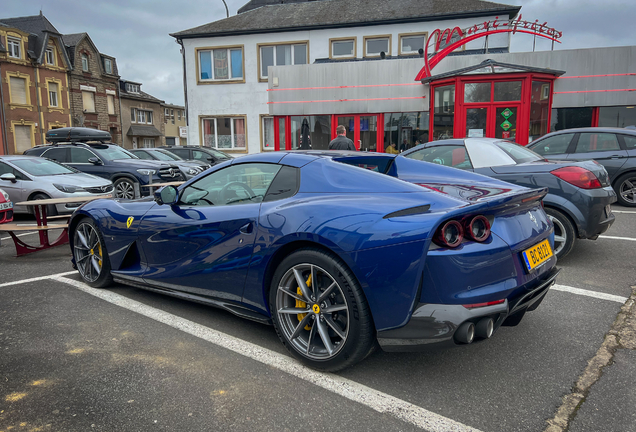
589,293
35,279
374,399
623,211
617,238
19,235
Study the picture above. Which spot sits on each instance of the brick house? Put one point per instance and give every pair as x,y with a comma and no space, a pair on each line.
174,118
93,86
34,82
143,123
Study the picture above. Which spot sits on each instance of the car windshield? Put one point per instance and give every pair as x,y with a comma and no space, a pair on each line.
518,153
41,167
165,155
113,152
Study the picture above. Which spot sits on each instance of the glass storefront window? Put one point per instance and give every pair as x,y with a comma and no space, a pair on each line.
539,106
443,112
319,132
281,133
507,91
568,118
477,92
405,130
268,133
617,116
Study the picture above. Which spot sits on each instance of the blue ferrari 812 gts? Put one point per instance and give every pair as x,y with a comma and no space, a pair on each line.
340,251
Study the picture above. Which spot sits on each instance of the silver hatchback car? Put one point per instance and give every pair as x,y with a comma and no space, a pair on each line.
31,177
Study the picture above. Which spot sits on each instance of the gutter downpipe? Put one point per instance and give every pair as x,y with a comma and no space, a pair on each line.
185,87
5,144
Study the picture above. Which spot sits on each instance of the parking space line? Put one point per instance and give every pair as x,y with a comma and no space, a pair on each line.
617,238
35,279
623,211
19,235
374,399
589,293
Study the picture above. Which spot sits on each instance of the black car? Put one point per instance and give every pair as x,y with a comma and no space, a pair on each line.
614,148
189,168
90,151
204,154
580,196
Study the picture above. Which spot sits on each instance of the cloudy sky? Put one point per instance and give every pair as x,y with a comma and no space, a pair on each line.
136,31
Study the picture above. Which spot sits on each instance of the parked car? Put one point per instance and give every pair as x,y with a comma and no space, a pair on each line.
334,255
579,197
614,148
203,154
6,209
189,168
90,151
29,177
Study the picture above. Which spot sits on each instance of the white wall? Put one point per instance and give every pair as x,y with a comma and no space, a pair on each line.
250,98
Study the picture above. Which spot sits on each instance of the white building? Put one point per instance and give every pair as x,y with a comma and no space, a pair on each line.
228,64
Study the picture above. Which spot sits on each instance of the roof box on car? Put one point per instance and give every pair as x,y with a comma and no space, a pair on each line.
74,134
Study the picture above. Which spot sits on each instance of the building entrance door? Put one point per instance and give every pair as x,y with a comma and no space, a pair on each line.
491,120
362,129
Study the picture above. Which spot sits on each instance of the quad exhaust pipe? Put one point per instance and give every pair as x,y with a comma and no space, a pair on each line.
467,332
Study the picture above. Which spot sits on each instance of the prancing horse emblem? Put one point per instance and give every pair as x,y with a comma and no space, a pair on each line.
129,221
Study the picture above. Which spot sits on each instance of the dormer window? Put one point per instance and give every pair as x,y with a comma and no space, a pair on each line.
132,88
50,56
14,48
108,66
84,62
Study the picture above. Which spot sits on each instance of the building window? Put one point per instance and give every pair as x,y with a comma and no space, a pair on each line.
84,62
53,94
179,115
405,130
149,142
375,45
172,116
221,64
411,44
268,133
18,89
280,55
444,112
50,56
568,118
110,99
108,66
14,48
318,128
132,88
342,48
617,116
144,116
224,132
133,115
23,138
88,99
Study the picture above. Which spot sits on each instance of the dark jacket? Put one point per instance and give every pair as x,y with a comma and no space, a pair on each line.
341,143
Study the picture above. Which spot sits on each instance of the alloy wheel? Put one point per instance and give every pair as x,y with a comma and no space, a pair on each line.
124,189
628,190
313,311
560,235
87,250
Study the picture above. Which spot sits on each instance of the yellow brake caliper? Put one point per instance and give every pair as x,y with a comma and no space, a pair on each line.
100,254
301,304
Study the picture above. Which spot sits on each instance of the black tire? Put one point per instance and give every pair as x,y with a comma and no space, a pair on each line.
51,210
90,255
625,188
124,188
563,229
357,327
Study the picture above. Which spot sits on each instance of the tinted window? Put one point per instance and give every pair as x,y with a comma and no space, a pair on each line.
594,142
236,184
142,155
182,153
42,167
81,155
284,185
568,118
630,141
199,155
58,154
557,144
452,156
166,155
114,152
6,169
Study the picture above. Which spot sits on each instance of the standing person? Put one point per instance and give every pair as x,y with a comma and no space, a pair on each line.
341,142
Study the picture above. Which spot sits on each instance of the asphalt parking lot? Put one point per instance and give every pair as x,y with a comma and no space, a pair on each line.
74,358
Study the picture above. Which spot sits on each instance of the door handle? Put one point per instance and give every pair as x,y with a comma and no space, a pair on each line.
247,228
617,157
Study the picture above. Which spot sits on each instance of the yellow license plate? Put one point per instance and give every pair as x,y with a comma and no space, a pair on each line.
537,254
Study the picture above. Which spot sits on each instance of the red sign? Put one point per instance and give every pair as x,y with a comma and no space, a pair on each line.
505,134
448,40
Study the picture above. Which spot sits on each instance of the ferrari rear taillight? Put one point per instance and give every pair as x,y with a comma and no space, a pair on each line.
577,176
450,234
478,228
478,305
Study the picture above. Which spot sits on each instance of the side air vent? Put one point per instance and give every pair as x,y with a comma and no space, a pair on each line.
408,212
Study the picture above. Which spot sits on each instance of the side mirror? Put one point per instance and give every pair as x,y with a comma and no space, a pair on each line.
211,159
8,177
95,161
167,195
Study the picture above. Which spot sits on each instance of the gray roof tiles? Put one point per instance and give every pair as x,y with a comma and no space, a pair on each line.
344,13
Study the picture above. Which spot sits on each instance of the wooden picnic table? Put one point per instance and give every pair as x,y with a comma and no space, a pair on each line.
42,225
